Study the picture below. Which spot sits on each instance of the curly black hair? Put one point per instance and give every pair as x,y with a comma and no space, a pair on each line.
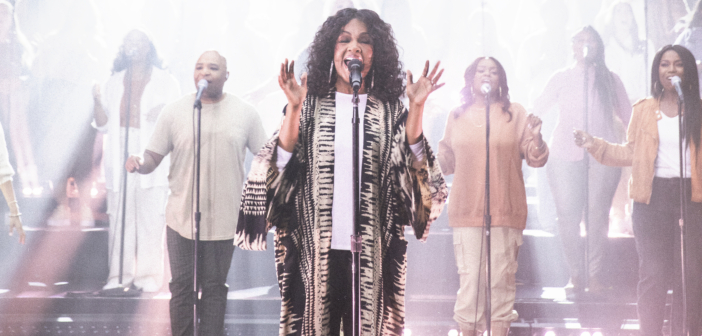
467,96
386,72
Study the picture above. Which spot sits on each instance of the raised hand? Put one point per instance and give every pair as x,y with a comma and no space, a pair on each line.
419,91
534,124
583,139
295,93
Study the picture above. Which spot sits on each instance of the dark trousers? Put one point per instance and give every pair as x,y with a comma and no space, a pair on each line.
657,235
340,292
214,260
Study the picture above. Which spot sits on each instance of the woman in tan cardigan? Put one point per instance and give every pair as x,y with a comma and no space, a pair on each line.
652,149
514,136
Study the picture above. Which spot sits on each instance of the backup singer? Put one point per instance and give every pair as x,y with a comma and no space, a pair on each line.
229,127
514,136
570,178
137,67
301,181
652,149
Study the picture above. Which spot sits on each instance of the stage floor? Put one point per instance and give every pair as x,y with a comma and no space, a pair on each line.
47,288
255,311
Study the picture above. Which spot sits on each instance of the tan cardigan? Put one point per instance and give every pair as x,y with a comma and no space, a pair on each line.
462,153
640,152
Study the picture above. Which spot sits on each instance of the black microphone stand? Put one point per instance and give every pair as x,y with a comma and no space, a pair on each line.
196,285
683,212
488,219
356,243
121,290
586,159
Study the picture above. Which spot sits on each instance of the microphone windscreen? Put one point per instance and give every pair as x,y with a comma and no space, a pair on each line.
202,83
355,63
485,88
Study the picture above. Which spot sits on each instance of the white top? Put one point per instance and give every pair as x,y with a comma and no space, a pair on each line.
229,127
668,159
342,206
161,89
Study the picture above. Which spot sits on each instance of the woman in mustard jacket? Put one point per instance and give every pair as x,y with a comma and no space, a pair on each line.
652,149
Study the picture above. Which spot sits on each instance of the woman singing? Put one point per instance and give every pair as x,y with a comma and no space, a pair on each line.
301,181
140,87
574,181
652,149
514,136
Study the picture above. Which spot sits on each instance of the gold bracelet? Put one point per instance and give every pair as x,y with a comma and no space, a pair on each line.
13,202
16,215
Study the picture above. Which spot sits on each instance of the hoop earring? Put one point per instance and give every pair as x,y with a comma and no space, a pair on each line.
331,69
372,80
471,91
499,90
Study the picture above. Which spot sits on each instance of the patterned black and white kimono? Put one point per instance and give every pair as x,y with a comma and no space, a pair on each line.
396,191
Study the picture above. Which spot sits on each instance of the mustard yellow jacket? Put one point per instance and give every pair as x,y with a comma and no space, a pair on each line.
640,152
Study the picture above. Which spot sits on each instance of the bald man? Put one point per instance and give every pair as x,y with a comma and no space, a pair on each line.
229,127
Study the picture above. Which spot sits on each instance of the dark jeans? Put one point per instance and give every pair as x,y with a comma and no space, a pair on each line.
340,291
657,234
214,260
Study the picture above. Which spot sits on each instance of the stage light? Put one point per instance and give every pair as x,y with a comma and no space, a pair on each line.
453,332
27,191
550,333
585,333
407,332
37,191
93,191
597,333
64,319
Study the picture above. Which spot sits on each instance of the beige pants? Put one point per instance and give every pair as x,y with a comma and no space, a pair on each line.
467,245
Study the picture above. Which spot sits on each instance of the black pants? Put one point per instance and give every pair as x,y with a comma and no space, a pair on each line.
340,291
657,235
214,260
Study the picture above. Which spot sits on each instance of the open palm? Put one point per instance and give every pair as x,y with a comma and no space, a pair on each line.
295,93
419,91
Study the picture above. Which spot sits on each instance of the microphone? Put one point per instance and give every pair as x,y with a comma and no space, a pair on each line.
675,80
201,86
485,88
355,68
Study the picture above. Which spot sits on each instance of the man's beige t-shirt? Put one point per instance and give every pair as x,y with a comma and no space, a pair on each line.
228,128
